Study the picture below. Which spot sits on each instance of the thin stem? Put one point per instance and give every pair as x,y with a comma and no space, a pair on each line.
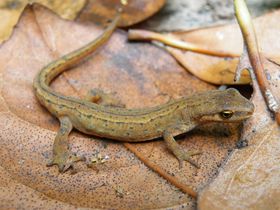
170,41
250,40
173,180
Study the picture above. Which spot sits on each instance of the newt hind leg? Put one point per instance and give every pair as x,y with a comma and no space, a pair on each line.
176,149
100,97
62,156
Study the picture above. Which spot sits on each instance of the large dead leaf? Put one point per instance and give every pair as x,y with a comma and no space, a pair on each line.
229,40
251,177
10,12
226,40
95,11
16,195
254,171
127,69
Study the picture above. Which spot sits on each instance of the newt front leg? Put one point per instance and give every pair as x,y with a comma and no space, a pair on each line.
62,156
172,145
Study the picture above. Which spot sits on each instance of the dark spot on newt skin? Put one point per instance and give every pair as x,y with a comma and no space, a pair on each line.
62,130
61,106
13,4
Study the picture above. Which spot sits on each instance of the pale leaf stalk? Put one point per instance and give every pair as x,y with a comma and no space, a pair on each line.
176,43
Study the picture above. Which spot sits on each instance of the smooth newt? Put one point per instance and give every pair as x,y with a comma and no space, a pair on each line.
131,125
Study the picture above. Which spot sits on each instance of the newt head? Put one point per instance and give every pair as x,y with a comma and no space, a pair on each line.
224,106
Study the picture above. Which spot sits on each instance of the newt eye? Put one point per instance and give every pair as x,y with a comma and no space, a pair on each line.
226,114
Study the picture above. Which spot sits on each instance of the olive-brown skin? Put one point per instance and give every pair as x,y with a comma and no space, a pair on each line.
132,125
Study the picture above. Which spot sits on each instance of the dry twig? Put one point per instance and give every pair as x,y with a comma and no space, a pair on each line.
176,43
251,50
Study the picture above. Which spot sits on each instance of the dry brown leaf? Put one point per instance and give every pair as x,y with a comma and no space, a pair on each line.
10,12
99,11
130,71
251,177
228,39
251,180
215,70
16,195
